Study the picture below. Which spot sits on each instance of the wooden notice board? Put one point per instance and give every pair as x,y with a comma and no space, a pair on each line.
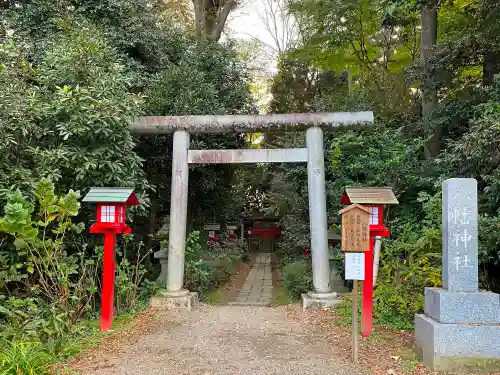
355,228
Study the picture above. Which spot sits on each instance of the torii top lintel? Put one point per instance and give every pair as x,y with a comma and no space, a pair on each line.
247,123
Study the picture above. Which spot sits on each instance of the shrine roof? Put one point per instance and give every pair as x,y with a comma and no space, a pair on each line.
368,195
352,206
111,195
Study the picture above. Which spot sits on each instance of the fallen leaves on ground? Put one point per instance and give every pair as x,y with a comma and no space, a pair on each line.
386,352
110,346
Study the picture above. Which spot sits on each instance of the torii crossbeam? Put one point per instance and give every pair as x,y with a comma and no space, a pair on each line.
182,126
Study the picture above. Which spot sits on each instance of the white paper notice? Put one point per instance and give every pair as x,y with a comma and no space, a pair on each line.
354,266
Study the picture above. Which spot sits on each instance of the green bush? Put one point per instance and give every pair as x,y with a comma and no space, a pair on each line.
44,263
297,278
396,304
408,265
209,264
67,115
489,252
24,358
130,285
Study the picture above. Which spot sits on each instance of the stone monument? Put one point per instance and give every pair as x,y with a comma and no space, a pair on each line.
460,325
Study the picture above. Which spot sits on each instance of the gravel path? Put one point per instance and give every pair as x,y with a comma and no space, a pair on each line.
227,340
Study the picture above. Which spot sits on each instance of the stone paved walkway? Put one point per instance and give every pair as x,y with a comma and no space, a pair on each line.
258,287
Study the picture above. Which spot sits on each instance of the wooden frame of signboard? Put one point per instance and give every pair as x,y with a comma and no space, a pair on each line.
355,228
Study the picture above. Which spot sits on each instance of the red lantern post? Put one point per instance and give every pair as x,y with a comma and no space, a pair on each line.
111,215
374,199
231,236
249,239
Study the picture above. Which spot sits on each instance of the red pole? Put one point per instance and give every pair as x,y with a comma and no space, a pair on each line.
367,302
249,240
108,281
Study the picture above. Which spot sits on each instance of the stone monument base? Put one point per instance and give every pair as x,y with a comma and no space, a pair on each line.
313,300
448,346
446,306
178,300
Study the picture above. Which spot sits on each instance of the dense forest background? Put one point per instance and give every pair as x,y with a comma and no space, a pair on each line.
75,74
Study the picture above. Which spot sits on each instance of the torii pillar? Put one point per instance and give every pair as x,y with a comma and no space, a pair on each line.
181,126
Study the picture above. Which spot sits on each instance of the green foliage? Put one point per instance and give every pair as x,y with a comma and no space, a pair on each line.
89,69
476,152
73,78
288,192
24,358
364,55
209,264
75,108
358,35
408,265
41,241
130,283
489,251
297,278
216,86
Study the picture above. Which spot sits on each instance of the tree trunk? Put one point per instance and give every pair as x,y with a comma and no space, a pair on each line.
210,18
491,66
428,17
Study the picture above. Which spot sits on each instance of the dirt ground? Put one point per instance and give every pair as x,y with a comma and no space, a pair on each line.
385,352
247,340
220,340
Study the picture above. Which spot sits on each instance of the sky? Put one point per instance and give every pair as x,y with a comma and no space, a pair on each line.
245,23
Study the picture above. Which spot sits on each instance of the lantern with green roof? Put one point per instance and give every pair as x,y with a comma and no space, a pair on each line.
112,204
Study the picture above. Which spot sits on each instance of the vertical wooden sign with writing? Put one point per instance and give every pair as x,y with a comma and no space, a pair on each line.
355,228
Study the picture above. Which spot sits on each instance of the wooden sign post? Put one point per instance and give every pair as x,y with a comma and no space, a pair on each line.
355,241
374,199
354,270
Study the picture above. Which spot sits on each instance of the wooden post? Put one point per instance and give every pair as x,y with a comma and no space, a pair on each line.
355,244
355,321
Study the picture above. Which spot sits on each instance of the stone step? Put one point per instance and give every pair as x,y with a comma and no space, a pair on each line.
250,303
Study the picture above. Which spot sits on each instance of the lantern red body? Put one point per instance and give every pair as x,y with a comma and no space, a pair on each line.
110,220
111,217
231,236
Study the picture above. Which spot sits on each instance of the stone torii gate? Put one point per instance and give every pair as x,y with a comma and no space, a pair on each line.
183,126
